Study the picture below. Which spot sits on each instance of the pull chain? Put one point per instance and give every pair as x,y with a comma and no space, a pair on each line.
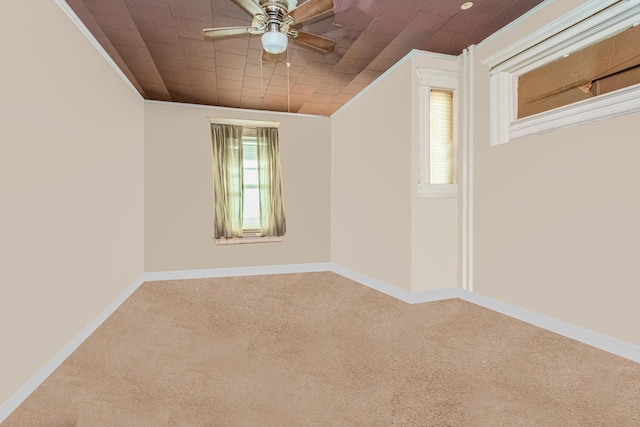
261,79
288,85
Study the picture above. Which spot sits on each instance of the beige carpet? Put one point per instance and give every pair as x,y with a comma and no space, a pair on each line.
320,350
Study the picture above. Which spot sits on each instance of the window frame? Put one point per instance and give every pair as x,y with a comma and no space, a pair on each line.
429,79
590,23
248,138
248,235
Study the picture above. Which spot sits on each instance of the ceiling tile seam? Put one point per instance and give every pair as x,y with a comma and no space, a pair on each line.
160,74
84,30
162,78
65,7
213,50
515,22
193,90
75,19
390,70
147,50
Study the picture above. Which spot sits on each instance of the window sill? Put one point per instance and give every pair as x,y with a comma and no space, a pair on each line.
437,191
613,104
246,240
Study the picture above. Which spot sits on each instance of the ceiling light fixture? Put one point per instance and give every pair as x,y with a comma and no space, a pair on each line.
274,42
466,5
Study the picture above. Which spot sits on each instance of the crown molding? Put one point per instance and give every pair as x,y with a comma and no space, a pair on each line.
408,56
239,110
515,23
534,39
84,30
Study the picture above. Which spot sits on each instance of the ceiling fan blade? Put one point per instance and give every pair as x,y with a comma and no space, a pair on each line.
216,33
267,57
310,9
250,6
315,41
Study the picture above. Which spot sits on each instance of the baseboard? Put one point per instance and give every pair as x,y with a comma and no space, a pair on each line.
34,382
237,271
586,336
394,291
594,339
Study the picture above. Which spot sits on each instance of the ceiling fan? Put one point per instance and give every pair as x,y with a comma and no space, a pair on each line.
274,19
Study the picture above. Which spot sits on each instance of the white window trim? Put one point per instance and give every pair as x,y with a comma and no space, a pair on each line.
438,191
244,240
429,79
572,32
243,122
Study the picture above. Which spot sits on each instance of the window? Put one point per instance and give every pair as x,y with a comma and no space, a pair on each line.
247,182
605,87
251,193
604,67
441,136
438,134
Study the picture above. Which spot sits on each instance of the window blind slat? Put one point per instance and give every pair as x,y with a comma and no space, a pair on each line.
441,136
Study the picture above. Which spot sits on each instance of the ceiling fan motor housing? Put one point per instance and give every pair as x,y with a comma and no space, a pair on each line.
275,20
276,11
274,40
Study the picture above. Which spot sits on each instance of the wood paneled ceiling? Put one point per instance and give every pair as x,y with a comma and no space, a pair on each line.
159,46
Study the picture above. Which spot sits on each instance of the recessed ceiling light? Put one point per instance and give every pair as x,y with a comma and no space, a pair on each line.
466,5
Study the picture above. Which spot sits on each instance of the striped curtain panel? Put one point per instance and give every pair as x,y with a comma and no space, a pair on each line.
227,180
272,220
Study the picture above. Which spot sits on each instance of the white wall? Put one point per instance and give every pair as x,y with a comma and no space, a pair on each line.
71,186
179,190
556,215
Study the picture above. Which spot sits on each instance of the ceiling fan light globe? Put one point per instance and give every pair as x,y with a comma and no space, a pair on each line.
274,42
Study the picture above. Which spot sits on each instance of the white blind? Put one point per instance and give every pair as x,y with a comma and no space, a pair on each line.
441,136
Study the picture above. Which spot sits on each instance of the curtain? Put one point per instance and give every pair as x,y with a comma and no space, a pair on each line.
227,180
272,220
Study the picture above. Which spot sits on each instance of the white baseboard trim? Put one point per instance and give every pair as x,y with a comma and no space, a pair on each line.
586,336
394,291
594,339
237,271
34,382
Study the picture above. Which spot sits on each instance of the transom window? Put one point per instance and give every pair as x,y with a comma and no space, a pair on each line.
577,69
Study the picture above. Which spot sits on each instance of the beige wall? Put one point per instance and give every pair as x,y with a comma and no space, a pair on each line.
179,190
434,221
370,181
556,215
380,228
71,186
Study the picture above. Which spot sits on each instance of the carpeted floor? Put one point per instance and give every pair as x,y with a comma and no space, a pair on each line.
320,350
